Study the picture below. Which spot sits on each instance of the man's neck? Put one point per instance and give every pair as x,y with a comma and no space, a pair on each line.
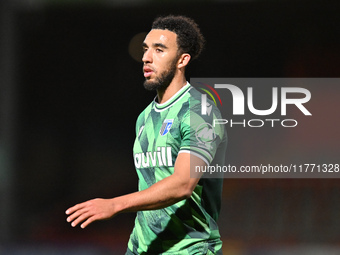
172,89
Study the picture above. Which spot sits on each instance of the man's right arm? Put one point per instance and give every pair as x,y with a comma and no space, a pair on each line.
166,192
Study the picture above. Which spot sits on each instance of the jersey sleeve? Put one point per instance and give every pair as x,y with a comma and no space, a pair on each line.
200,136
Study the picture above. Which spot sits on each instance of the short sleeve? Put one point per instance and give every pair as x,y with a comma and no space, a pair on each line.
200,136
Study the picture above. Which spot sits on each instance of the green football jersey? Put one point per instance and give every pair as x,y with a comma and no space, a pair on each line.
162,132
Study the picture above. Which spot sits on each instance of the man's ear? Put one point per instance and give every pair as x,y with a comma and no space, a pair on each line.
183,60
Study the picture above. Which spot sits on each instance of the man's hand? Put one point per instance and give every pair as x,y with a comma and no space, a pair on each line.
163,193
90,211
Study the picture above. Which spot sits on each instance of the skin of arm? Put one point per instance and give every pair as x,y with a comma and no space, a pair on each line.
166,192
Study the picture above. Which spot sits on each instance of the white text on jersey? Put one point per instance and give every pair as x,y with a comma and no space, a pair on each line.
161,157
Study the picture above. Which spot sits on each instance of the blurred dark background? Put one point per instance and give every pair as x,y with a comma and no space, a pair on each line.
71,91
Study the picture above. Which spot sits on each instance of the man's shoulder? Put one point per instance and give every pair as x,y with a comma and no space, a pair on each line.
197,103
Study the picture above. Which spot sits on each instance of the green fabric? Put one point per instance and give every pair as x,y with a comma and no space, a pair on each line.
162,132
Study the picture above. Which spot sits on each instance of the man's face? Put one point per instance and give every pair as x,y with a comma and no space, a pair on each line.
160,58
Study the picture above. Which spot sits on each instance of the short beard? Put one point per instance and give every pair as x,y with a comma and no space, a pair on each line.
162,82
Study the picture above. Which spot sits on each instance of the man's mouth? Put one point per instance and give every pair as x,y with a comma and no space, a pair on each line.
147,72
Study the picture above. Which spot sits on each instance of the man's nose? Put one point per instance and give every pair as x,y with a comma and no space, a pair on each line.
147,57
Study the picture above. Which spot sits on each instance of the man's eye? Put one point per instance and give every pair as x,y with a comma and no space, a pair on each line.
159,50
145,49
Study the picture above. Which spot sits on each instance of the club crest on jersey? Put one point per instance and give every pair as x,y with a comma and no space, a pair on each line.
166,127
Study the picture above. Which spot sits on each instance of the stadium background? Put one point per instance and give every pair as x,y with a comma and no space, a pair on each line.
71,91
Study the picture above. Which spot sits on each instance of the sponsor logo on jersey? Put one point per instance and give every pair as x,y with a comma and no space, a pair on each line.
166,127
161,157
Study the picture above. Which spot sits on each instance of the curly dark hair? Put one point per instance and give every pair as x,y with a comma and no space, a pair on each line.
189,37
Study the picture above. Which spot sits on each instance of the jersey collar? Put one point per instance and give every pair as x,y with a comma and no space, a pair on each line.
179,94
